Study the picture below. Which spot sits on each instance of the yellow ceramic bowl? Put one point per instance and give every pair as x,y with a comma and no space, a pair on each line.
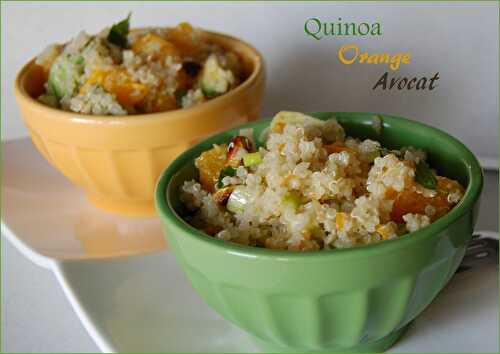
117,159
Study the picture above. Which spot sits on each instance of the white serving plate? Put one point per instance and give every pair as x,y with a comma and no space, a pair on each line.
131,296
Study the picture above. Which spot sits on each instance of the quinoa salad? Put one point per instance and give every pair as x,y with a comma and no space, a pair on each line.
311,187
120,72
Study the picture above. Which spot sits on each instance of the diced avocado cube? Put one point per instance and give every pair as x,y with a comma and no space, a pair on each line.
64,74
251,159
214,79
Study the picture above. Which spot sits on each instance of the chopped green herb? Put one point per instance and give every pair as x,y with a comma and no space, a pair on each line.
226,171
179,94
119,31
425,176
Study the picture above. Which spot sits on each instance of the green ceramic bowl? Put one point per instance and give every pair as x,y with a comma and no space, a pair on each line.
349,300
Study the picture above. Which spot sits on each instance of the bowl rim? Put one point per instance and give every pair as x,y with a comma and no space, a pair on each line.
180,113
471,195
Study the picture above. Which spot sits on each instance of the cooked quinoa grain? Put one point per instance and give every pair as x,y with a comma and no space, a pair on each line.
118,72
312,187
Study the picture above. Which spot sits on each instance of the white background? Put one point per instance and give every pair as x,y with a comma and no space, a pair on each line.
458,40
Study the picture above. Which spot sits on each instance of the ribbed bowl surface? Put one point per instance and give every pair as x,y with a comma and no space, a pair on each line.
356,299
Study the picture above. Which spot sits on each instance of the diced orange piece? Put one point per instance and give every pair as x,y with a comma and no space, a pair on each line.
185,27
391,193
96,77
340,220
409,201
118,82
128,92
155,47
209,165
38,77
448,185
184,37
278,127
386,230
163,103
337,148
